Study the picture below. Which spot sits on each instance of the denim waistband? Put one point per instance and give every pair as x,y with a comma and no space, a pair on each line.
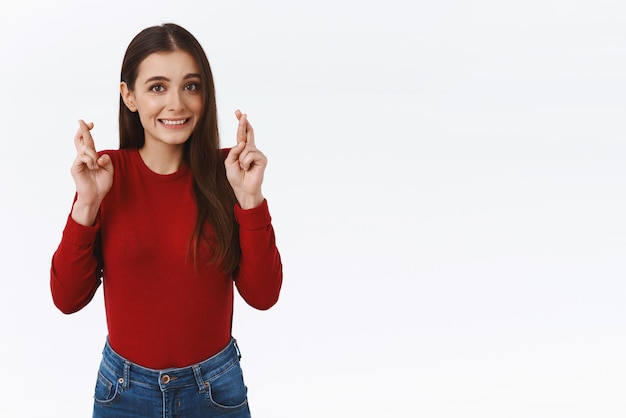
129,373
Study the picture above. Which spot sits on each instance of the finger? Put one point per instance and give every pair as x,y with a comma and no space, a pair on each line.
243,156
252,159
241,127
90,157
105,162
86,145
84,161
234,153
85,133
85,154
250,134
78,141
247,129
83,137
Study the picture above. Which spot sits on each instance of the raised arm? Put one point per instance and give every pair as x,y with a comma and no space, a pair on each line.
260,273
76,268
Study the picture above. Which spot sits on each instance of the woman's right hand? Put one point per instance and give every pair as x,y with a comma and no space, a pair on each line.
93,176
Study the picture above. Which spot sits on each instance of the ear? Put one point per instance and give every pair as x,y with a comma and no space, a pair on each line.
128,97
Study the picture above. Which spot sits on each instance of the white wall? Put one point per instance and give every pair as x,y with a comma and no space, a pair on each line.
447,182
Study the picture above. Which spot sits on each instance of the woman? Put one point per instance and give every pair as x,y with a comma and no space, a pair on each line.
169,222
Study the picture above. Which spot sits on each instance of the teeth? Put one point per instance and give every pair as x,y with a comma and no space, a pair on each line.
173,122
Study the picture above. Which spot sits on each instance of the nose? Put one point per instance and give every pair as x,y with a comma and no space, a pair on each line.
175,101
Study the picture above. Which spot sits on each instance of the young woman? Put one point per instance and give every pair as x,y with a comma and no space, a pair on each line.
170,223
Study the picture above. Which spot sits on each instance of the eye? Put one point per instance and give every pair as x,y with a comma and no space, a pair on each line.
157,88
192,87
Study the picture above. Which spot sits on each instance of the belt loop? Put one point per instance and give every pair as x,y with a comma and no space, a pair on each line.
237,348
197,372
126,375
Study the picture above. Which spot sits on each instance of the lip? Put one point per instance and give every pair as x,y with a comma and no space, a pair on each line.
175,123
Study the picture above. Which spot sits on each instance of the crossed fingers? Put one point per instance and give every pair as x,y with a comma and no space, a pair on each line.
85,147
249,155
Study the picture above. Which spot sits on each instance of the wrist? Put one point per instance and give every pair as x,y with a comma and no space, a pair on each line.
85,213
250,201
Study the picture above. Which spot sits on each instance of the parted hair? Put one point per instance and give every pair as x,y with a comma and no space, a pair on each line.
214,195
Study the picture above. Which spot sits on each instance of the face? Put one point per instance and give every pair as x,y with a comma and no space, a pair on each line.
168,97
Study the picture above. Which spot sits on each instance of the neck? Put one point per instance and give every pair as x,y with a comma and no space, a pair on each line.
162,160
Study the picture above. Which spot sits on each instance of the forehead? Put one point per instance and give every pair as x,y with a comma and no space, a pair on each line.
172,65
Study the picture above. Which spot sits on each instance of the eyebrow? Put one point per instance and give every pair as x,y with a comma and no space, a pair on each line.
162,78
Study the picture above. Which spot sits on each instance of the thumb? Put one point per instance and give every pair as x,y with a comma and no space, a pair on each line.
105,162
233,154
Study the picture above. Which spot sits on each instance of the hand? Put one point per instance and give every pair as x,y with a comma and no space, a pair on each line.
245,166
92,175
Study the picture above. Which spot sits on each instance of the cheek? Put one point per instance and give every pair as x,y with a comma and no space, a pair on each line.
145,118
195,105
147,110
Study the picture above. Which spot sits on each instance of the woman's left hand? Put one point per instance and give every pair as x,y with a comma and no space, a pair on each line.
245,166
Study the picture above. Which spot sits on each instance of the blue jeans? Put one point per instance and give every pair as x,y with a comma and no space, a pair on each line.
213,388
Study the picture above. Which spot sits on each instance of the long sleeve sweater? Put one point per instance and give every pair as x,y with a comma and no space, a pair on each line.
162,310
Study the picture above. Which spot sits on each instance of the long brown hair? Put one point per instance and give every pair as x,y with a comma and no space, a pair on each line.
214,195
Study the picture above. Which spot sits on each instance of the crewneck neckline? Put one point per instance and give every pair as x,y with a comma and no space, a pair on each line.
147,172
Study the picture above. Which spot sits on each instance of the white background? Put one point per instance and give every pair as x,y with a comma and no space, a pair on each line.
447,181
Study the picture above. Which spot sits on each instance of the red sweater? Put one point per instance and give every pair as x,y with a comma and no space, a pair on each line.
161,311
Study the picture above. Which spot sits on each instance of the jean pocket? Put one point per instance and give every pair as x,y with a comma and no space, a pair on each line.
227,391
106,389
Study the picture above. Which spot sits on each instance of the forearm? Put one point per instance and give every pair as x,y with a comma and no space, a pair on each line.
75,271
260,275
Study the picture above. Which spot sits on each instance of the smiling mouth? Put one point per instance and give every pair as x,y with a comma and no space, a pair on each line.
173,122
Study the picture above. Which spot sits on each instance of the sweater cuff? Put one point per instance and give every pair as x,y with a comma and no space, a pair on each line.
255,218
78,234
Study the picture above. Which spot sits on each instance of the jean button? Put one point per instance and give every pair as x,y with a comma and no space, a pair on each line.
165,379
